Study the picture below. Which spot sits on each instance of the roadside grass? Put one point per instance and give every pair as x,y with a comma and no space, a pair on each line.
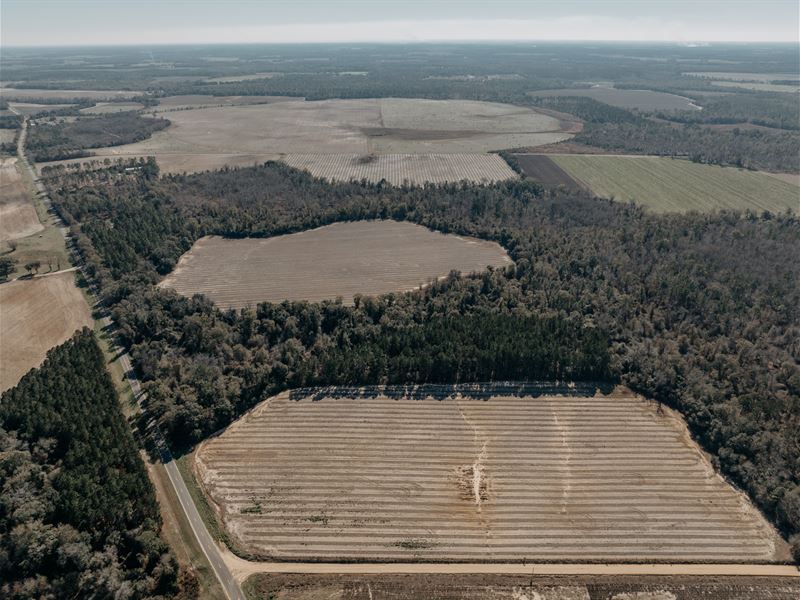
666,185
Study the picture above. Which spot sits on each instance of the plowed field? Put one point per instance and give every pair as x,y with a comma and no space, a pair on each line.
343,259
476,473
18,216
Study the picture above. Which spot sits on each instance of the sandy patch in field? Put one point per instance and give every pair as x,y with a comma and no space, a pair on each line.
343,259
35,315
18,218
553,473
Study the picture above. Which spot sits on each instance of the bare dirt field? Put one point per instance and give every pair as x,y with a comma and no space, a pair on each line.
544,170
517,587
171,103
249,77
18,218
22,94
7,136
636,99
343,259
27,108
501,472
104,108
400,168
360,127
35,315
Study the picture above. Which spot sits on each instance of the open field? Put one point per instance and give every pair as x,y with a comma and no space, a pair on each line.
739,76
502,472
27,108
343,259
22,94
249,77
171,103
218,135
104,108
630,99
759,87
7,136
398,168
517,587
670,185
542,169
18,216
35,315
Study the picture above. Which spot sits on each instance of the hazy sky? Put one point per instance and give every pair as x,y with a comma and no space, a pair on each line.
87,22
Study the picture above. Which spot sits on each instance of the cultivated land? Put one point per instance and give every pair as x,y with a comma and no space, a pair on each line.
542,169
219,135
22,94
503,472
518,587
400,168
27,108
103,108
35,315
670,185
630,99
339,260
18,216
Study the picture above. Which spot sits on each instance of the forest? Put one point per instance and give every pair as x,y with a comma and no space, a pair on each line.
71,139
700,312
78,514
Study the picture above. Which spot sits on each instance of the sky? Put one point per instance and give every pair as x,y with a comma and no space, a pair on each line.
124,22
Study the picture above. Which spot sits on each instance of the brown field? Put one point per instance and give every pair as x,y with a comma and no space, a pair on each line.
339,260
104,108
630,99
235,78
220,134
502,472
544,170
18,216
26,108
35,315
517,587
22,94
399,168
7,136
170,103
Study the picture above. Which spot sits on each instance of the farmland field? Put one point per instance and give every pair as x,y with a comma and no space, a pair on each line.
670,185
35,315
498,472
7,136
18,216
103,108
22,94
218,135
343,259
397,168
542,169
630,99
27,108
518,587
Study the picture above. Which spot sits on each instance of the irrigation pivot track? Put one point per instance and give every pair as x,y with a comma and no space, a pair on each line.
531,472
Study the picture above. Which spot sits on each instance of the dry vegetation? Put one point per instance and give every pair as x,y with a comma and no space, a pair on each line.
400,168
629,99
18,216
517,587
23,94
35,315
498,472
670,185
343,259
103,108
265,129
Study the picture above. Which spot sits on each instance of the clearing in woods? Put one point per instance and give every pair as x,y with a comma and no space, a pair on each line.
484,472
343,259
672,185
629,99
221,135
35,315
18,218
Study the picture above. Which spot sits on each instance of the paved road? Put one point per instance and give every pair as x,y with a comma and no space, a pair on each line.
229,584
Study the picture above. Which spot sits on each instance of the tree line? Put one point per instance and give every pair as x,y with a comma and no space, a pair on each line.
701,312
78,514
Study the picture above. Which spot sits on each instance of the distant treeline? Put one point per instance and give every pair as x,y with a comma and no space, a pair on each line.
78,514
701,312
62,140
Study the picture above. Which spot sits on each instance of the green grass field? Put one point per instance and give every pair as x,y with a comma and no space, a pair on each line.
670,185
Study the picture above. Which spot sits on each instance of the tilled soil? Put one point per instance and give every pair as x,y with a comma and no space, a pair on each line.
497,473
